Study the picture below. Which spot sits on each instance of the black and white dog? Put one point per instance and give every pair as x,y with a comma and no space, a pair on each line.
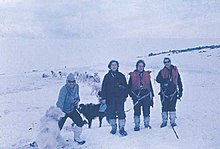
91,111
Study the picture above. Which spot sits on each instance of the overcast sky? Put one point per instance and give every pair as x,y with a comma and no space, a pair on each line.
46,34
104,18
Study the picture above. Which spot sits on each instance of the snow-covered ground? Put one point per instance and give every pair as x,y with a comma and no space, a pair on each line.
26,96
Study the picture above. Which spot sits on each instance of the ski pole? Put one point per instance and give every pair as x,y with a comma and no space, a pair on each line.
175,132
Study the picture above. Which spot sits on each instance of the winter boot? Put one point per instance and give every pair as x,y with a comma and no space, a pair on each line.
164,118
146,122
137,123
112,122
77,134
121,123
172,118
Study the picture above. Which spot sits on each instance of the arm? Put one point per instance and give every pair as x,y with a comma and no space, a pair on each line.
130,87
126,86
77,91
130,92
151,89
77,98
104,87
163,82
151,94
159,78
180,86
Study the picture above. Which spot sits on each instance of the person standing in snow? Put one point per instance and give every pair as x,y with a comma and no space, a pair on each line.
68,101
171,89
114,93
141,92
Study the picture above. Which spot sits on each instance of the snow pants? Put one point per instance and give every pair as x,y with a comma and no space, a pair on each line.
145,103
74,116
168,102
115,107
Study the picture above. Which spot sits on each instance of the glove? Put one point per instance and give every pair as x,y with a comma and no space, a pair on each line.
179,95
103,101
132,95
76,102
152,103
100,93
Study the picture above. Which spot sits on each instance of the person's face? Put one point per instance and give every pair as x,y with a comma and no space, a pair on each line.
71,84
114,66
140,67
167,64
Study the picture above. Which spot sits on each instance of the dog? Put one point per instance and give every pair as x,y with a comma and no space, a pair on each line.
96,87
49,133
91,111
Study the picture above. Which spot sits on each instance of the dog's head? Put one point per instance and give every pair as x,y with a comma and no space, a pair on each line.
88,109
82,108
55,113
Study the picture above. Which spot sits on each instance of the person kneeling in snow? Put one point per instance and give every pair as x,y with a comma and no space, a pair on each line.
171,89
68,101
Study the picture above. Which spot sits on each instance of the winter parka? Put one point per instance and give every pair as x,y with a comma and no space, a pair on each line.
67,97
114,85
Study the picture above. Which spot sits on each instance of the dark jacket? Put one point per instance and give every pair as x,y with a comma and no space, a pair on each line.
169,80
114,85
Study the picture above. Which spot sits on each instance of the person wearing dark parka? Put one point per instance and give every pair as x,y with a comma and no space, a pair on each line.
114,93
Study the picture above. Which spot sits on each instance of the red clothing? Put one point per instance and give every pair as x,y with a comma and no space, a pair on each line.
174,73
137,81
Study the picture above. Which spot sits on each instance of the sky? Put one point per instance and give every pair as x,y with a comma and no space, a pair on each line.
39,34
104,18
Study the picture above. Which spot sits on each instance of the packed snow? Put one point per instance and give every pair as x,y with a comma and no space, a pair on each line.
26,96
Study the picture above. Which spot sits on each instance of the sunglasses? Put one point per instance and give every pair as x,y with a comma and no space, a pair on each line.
71,81
166,62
